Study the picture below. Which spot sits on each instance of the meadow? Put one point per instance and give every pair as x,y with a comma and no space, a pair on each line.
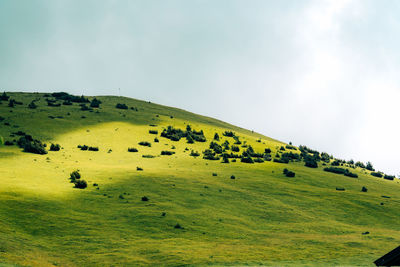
195,213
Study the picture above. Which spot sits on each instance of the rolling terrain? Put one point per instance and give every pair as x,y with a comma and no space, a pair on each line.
178,209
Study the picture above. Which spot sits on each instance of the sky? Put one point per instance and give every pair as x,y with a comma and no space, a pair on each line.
319,73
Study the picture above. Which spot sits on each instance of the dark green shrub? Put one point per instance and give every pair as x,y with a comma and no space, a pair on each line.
258,160
81,184
145,198
267,157
178,226
228,134
84,147
225,159
148,156
8,143
55,147
4,96
93,148
246,159
67,103
189,139
364,189
335,170
31,146
214,174
290,147
84,107
194,153
369,166
75,175
389,177
281,160
233,177
216,147
235,148
216,137
121,106
153,132
350,174
32,105
95,103
11,103
237,141
288,173
167,153
310,162
139,169
282,148
132,149
360,164
210,155
335,163
377,174
145,143
156,140
267,151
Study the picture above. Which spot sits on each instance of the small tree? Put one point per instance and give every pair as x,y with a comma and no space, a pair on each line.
216,137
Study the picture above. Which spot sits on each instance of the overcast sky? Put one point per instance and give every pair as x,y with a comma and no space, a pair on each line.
320,73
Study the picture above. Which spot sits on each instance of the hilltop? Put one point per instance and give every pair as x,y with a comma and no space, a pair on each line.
105,180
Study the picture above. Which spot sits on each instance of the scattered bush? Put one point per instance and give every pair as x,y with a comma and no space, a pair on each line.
178,226
121,106
67,103
132,149
369,166
95,103
84,147
340,189
148,156
235,148
214,174
389,177
92,148
32,105
4,96
81,184
31,145
84,107
216,147
228,134
216,137
194,153
267,151
72,98
55,147
233,177
310,162
166,152
364,189
281,160
377,174
144,198
210,155
139,169
225,159
288,173
156,140
153,132
258,160
145,143
360,164
8,143
247,160
338,170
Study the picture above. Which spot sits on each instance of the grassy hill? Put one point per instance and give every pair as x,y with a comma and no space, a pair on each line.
195,213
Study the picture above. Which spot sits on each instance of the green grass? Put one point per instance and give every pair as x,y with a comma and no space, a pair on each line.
259,218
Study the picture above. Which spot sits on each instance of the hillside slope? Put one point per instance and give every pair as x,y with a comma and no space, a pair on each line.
177,209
